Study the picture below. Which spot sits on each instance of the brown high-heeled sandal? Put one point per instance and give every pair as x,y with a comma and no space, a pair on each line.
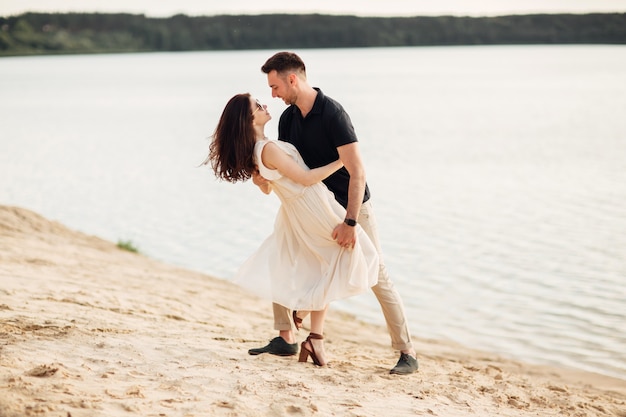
305,353
297,321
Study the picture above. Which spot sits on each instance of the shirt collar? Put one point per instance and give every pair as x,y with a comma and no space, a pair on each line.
317,104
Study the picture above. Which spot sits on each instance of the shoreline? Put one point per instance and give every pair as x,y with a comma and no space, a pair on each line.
88,329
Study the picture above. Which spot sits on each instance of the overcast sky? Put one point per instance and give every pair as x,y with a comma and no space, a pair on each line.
166,8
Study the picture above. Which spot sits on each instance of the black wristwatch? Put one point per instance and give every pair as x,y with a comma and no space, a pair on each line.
350,222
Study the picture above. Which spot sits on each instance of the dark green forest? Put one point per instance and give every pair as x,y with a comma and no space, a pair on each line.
47,33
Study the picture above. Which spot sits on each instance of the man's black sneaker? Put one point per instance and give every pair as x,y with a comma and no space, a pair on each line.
406,365
277,346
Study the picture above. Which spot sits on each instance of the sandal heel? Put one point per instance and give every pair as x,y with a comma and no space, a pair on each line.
304,353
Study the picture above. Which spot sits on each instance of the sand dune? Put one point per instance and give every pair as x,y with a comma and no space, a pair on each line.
87,329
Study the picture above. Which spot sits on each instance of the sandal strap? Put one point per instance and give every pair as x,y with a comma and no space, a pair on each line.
315,336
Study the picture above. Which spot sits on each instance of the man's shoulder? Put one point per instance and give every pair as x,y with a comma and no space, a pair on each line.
331,108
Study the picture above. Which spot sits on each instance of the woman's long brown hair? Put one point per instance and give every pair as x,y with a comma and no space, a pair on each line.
231,150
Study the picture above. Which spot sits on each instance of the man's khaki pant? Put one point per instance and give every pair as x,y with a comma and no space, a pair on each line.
385,292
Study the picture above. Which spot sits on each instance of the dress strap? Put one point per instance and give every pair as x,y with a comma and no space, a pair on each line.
267,173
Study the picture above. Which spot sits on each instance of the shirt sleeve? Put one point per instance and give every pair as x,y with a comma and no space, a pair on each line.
341,129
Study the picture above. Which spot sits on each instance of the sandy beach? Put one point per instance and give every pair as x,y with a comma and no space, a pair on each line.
88,329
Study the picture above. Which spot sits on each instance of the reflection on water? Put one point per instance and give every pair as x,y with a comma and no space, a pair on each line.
498,177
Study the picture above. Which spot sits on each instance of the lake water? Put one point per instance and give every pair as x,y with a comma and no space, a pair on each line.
498,176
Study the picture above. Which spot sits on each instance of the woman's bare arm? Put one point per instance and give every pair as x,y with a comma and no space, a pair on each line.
275,158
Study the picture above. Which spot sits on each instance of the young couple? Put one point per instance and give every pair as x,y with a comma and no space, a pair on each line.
325,243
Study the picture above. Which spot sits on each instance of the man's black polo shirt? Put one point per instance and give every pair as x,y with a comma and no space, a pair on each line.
317,137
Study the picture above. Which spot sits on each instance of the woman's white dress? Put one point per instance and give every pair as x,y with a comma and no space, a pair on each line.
300,265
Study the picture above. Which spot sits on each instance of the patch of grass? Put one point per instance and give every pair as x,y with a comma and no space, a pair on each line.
127,245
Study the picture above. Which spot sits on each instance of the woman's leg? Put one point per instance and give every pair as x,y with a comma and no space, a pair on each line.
317,326
317,320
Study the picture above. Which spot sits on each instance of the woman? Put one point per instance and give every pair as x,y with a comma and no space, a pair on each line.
299,265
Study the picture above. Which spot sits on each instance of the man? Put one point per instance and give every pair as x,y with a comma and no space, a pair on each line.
321,130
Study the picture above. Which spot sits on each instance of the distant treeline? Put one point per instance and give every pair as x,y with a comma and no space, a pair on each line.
46,33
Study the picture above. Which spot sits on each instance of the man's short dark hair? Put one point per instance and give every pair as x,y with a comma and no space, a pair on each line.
284,62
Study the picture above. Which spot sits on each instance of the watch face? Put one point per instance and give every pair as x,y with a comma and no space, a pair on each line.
350,222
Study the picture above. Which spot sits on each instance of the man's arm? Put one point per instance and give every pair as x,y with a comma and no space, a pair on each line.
350,156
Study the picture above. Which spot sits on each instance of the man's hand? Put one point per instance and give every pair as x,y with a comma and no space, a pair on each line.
264,184
258,179
345,235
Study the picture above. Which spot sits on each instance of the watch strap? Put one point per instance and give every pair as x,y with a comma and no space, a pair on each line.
350,222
